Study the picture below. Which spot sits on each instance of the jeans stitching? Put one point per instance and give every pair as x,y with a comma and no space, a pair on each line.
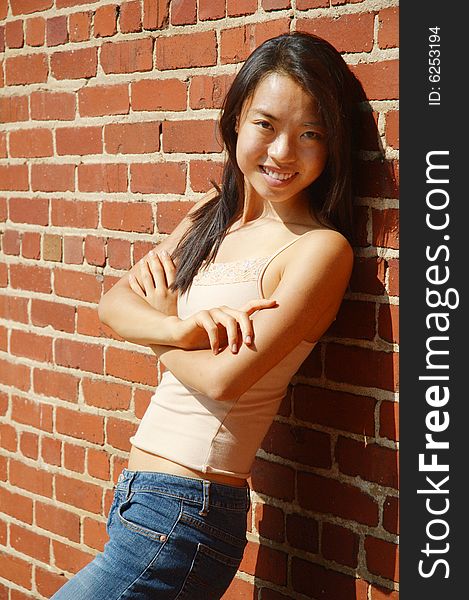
224,559
152,561
241,506
212,530
154,535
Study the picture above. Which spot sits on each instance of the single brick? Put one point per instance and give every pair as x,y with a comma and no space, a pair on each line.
14,177
21,70
31,143
339,544
14,34
128,216
392,128
158,178
347,33
210,10
74,213
155,14
79,140
74,64
132,138
24,7
196,49
389,420
79,26
369,461
102,177
237,8
128,56
183,12
105,21
13,109
382,558
209,92
159,94
276,4
103,100
130,17
380,80
52,177
202,171
191,136
35,31
56,31
388,33
52,106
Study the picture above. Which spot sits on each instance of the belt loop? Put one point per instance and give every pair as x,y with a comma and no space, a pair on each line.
206,503
128,492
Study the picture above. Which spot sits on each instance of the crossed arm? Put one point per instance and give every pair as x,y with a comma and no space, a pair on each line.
308,298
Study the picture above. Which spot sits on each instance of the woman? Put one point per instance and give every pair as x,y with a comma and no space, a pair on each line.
231,303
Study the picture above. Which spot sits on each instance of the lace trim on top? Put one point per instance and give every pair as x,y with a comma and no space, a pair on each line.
230,272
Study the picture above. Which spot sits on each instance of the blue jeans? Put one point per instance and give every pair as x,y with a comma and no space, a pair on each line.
170,538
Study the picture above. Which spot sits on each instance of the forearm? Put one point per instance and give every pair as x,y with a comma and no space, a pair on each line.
131,317
194,368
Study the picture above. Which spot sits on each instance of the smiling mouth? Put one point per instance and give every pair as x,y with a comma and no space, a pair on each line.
276,175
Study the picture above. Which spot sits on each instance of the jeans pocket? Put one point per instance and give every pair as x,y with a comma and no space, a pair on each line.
150,514
216,528
210,575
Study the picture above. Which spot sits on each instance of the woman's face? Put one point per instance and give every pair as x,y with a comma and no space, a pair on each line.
281,147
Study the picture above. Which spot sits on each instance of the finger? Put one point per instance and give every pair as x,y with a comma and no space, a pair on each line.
205,321
258,304
244,323
138,278
157,270
169,267
247,330
135,287
146,278
230,323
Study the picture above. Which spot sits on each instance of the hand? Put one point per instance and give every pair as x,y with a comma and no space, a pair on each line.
151,282
224,326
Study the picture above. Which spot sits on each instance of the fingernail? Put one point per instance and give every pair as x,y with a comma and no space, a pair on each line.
165,253
247,339
234,348
153,252
215,350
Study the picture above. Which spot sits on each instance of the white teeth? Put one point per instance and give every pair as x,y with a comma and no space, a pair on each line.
280,176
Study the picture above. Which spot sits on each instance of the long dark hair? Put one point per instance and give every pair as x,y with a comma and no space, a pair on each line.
321,71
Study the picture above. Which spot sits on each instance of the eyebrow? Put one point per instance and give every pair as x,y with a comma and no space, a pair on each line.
269,116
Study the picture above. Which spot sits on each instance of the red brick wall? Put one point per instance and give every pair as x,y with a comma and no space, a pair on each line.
108,113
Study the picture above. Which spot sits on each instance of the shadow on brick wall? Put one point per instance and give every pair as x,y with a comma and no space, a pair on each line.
327,470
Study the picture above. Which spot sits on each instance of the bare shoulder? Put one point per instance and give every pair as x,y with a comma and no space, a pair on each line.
316,277
323,246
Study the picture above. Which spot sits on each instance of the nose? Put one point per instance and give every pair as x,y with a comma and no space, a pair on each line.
282,149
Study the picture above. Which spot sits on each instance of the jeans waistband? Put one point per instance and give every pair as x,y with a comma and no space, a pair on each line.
203,491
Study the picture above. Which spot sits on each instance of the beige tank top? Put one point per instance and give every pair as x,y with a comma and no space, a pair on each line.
214,436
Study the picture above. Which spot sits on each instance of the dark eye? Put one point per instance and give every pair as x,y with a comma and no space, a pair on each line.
313,135
264,124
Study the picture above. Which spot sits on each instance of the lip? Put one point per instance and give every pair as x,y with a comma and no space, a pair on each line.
277,182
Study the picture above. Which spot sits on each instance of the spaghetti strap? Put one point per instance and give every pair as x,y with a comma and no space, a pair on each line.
270,259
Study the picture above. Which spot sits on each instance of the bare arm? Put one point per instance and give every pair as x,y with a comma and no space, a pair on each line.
129,315
308,297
